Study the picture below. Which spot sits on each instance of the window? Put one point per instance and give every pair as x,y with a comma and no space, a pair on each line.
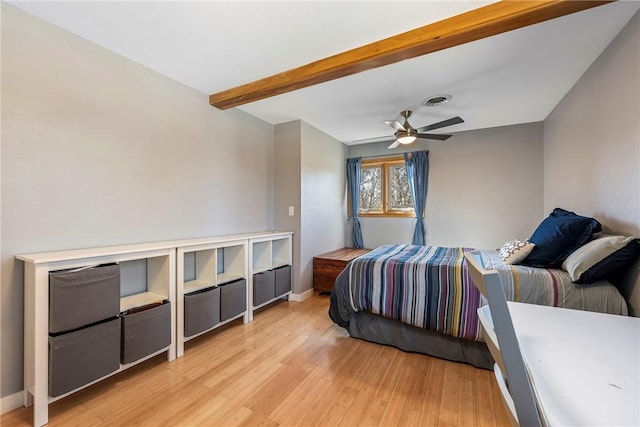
384,188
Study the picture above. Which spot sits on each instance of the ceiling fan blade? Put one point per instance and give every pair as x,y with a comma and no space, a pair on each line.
395,124
380,139
444,123
433,136
394,145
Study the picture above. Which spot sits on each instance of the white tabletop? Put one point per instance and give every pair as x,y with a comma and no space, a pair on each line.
585,366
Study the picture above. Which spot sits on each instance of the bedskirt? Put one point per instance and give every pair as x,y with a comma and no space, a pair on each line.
381,330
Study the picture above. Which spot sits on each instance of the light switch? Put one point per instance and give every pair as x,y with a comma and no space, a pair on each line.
291,211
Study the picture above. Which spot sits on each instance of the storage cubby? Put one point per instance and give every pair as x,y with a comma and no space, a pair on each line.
271,284
145,308
145,331
201,311
143,282
200,270
270,272
204,267
281,252
233,263
270,254
129,303
233,299
84,334
74,305
80,357
81,296
264,287
282,280
261,256
210,267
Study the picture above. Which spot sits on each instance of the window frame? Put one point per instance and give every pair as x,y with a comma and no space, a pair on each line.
384,164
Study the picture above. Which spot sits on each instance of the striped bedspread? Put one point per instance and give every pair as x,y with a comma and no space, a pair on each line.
429,287
392,281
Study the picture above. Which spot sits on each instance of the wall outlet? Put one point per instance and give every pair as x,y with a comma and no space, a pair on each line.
291,211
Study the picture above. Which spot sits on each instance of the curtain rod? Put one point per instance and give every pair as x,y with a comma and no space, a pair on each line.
386,155
380,155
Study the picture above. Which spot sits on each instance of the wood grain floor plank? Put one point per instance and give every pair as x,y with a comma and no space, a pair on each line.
399,393
267,397
192,405
340,370
301,400
467,413
450,395
378,405
413,404
483,402
430,412
499,407
367,380
343,401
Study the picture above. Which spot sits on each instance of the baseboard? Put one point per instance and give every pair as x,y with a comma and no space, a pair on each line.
301,297
11,402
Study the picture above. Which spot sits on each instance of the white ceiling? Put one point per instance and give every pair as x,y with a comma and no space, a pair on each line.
516,77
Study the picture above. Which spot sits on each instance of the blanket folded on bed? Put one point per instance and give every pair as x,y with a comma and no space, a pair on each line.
429,287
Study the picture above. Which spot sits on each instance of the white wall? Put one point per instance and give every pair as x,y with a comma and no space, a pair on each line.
98,150
592,142
485,187
309,175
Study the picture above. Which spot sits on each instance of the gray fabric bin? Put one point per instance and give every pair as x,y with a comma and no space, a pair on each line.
201,311
80,297
145,332
80,357
233,299
264,287
283,280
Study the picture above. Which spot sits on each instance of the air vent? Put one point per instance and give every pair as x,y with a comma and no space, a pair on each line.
434,101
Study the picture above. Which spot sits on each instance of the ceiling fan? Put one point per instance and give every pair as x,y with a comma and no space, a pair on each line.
406,134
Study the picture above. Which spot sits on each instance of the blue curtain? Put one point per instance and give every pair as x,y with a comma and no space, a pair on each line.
353,180
417,164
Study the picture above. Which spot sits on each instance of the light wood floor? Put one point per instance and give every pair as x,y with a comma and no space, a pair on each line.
290,366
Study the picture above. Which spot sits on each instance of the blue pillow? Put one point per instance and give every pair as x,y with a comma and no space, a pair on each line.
561,233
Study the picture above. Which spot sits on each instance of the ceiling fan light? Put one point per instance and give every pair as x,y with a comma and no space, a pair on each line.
406,139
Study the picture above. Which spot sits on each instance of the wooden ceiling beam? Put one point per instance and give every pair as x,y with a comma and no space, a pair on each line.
476,24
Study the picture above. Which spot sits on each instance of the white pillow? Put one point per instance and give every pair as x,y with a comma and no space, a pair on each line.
515,251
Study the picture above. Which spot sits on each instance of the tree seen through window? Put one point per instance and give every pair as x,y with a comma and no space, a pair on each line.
384,189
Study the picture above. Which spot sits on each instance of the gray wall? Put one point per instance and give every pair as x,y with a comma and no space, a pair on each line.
287,187
485,187
592,143
98,150
309,175
322,198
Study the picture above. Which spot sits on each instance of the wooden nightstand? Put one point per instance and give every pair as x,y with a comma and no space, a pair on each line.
328,266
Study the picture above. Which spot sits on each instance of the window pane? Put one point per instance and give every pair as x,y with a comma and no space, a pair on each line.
399,193
371,189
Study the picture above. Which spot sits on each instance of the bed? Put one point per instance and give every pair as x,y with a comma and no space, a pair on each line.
422,299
